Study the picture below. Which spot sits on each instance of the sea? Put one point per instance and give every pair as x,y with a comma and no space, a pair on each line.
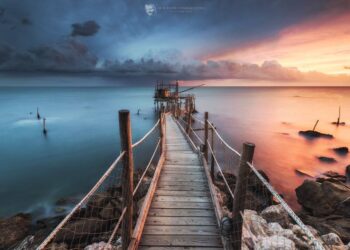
83,133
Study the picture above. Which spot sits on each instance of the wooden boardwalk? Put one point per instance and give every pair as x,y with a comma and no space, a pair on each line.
181,214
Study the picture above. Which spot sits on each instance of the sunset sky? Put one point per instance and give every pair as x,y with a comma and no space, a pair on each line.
274,40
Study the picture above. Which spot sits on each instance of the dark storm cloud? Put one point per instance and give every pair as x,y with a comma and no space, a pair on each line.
67,56
88,28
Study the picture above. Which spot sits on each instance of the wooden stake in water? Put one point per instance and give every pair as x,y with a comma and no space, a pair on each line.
44,126
339,116
37,113
315,125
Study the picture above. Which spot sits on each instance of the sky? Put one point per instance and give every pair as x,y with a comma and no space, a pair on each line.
267,40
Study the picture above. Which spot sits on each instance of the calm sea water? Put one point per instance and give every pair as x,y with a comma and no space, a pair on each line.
83,137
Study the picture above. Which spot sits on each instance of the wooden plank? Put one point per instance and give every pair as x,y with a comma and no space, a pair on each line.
185,240
190,178
137,233
177,204
181,221
181,172
181,230
178,248
173,174
182,188
183,167
182,193
180,198
182,183
182,161
181,212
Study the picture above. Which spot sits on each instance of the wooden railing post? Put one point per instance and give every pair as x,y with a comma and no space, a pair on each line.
189,121
161,130
240,193
206,135
212,161
127,175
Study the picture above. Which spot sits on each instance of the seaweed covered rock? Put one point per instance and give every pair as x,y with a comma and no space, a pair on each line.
14,229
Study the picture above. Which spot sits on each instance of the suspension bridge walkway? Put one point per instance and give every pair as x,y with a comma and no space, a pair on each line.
173,203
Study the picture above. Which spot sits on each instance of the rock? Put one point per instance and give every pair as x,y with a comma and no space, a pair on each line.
332,240
326,159
67,201
254,223
55,246
311,134
26,244
230,178
276,213
274,243
347,173
49,222
14,229
79,230
107,212
101,246
331,224
310,196
331,176
341,150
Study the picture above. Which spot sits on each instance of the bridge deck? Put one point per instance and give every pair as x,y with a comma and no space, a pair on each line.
182,212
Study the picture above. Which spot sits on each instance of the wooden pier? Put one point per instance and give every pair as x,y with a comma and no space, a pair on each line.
181,212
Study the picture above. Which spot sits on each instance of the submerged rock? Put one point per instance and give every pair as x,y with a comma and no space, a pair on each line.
14,229
341,150
326,159
347,173
315,134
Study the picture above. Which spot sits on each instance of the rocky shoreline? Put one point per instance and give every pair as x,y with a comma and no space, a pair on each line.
325,210
21,232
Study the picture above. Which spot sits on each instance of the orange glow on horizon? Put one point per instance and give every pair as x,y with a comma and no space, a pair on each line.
322,44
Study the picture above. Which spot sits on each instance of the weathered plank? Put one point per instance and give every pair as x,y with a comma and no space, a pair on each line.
178,248
177,204
181,212
182,187
181,230
175,240
181,221
182,193
180,198
182,183
190,178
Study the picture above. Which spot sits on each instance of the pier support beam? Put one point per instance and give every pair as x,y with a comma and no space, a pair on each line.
127,175
240,193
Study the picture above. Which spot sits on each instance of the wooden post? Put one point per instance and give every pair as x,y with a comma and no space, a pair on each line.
189,120
44,126
127,175
206,135
240,193
212,162
161,130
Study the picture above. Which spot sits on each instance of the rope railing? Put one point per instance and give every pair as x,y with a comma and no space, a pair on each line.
220,170
146,169
223,141
146,135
